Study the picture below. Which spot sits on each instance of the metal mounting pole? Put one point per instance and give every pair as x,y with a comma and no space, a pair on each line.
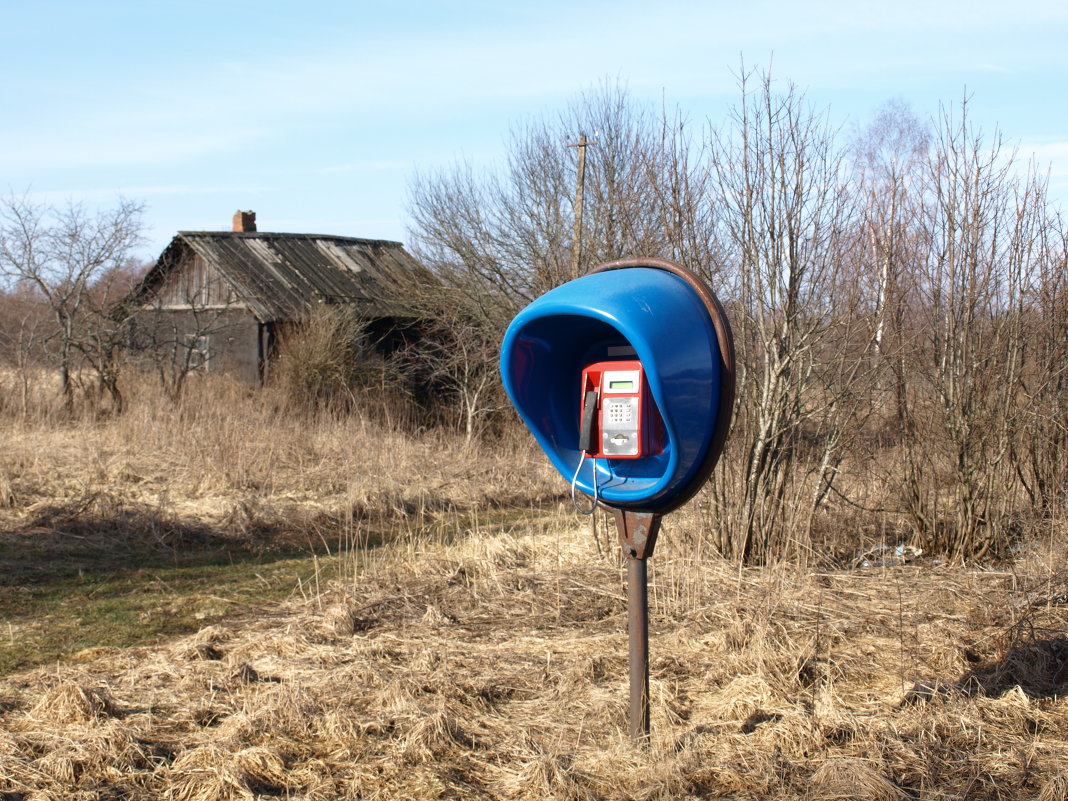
637,536
638,629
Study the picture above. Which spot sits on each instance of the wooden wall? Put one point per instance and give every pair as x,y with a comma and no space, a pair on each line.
195,283
229,338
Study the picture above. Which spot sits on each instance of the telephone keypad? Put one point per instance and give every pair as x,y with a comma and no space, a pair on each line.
620,412
619,426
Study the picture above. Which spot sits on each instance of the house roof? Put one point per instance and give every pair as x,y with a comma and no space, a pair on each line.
280,276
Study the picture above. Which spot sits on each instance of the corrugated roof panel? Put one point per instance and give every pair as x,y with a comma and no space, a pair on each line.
346,258
262,248
280,276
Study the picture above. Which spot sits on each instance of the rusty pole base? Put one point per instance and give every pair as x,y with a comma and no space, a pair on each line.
637,536
638,628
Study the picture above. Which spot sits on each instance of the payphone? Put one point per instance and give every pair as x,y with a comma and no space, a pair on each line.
619,419
625,378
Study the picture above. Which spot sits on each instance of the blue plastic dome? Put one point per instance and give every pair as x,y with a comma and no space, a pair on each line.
659,318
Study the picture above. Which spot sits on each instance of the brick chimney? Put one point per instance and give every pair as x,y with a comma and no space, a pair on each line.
244,222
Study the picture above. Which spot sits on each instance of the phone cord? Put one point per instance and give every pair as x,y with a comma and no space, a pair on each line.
574,481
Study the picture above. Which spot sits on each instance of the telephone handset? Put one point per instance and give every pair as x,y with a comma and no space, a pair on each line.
589,414
619,419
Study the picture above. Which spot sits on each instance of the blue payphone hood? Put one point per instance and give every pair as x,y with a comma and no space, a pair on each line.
658,313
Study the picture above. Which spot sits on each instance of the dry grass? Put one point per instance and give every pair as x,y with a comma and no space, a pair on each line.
119,523
483,656
494,667
233,459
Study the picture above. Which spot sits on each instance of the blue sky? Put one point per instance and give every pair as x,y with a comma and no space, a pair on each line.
318,114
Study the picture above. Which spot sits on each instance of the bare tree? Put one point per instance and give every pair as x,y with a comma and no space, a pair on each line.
680,183
979,225
902,303
1038,452
784,215
104,333
61,253
500,240
889,155
505,238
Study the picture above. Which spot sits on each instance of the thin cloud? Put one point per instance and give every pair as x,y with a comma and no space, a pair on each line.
60,148
406,77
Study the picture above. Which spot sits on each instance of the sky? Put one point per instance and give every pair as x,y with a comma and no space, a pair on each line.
318,115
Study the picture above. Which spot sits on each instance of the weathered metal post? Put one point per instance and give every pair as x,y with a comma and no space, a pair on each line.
580,182
637,536
638,630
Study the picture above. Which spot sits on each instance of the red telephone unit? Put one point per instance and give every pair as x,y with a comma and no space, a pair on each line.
619,418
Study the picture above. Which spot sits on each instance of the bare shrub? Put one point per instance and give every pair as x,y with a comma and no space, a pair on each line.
327,363
454,364
1037,451
783,216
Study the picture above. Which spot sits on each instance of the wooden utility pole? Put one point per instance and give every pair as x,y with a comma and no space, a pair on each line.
576,252
580,180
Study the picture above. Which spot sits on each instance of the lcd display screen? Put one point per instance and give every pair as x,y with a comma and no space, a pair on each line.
621,385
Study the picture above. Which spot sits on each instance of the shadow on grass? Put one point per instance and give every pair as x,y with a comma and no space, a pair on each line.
73,578
97,574
1037,666
61,541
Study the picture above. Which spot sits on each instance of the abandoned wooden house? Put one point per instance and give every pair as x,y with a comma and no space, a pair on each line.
224,300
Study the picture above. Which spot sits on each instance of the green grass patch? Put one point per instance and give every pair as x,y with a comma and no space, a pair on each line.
55,604
72,583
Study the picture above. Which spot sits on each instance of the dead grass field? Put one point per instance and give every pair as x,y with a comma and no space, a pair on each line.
495,667
480,653
122,530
